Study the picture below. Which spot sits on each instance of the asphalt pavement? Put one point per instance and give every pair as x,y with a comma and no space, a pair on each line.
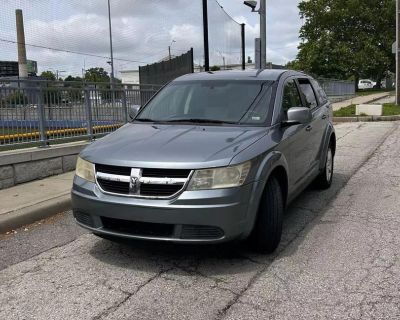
338,259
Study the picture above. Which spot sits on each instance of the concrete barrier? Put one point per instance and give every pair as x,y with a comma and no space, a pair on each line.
19,166
369,109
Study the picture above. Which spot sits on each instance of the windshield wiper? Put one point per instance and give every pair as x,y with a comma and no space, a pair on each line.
144,120
195,120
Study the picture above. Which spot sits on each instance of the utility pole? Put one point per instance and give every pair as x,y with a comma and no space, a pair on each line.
58,72
242,28
397,52
205,33
111,48
169,49
263,33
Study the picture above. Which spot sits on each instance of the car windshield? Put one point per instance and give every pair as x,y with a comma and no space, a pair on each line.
244,102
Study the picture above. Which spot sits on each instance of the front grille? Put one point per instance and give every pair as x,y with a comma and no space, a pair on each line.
83,218
147,187
201,232
138,228
114,186
123,171
154,190
163,173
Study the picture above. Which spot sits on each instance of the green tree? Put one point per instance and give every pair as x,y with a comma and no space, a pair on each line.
48,75
215,68
71,78
347,39
97,75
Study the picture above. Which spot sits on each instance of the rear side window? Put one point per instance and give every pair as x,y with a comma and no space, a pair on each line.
308,92
321,95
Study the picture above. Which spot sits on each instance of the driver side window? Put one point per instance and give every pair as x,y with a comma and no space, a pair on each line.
291,97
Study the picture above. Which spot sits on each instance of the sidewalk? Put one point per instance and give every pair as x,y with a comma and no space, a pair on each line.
32,201
359,100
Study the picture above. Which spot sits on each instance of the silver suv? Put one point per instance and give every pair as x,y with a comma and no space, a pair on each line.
210,158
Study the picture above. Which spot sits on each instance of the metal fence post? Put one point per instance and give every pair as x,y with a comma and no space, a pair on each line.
124,105
88,109
42,119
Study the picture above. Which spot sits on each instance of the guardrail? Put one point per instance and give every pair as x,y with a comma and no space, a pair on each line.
38,113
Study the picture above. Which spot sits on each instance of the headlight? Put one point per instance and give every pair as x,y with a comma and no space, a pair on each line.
218,178
85,169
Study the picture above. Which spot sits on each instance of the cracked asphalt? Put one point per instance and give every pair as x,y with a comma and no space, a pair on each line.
339,257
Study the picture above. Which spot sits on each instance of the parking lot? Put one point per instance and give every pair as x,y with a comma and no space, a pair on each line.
339,257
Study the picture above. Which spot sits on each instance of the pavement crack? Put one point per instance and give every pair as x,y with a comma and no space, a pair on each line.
128,295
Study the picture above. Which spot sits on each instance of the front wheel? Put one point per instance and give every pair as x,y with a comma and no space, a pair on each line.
267,231
324,180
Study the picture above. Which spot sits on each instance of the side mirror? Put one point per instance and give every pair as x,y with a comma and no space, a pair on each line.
133,111
298,115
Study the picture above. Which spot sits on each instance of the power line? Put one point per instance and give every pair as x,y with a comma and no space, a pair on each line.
71,51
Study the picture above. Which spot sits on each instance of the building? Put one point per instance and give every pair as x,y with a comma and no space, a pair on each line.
130,76
10,68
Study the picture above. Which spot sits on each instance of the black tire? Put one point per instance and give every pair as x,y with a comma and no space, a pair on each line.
324,180
267,231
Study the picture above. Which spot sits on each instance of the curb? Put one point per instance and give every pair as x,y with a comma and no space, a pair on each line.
18,218
366,118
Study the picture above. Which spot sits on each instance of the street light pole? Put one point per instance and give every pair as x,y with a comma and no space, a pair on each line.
205,35
111,47
263,33
263,29
397,52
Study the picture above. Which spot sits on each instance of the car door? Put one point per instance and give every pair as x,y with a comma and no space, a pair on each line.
316,128
294,139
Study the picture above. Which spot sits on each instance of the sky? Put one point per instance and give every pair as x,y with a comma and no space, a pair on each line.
142,32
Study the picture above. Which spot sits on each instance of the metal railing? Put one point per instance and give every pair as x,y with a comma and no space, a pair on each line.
38,113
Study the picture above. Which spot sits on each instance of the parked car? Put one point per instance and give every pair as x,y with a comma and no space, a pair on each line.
366,84
210,158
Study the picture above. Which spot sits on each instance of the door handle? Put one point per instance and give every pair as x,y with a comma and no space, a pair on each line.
324,116
309,128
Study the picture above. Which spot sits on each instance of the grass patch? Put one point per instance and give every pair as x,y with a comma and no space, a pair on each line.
389,109
349,111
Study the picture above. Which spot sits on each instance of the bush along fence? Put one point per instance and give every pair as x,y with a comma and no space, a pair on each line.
38,113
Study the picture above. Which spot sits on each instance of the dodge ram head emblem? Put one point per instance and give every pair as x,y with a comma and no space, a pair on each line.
134,183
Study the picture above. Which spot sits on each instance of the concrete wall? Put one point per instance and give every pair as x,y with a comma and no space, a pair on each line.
25,165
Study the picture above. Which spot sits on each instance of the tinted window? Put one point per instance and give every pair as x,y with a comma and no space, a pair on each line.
229,101
291,97
308,92
321,95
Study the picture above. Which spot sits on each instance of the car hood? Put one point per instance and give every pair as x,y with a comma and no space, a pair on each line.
176,146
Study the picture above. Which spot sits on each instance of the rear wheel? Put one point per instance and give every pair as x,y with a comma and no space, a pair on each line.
324,180
267,231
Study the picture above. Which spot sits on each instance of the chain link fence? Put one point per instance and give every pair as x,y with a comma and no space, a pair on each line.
338,90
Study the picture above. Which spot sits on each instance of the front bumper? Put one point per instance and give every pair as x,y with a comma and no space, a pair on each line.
208,216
